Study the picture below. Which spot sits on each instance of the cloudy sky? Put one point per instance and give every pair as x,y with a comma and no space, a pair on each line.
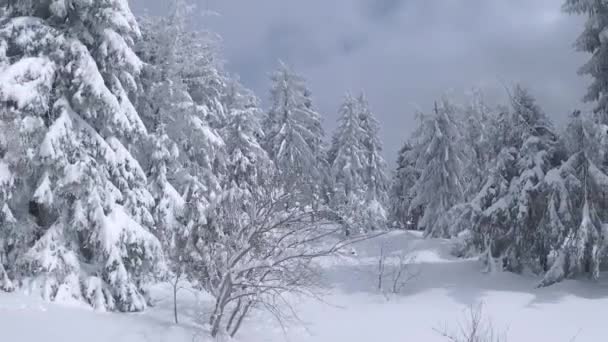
402,53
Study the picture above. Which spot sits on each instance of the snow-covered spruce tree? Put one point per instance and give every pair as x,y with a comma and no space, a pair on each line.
294,136
169,211
594,40
489,215
163,101
249,167
576,204
7,219
440,163
401,193
169,203
375,179
538,153
480,145
184,80
476,139
348,159
69,81
504,216
187,95
184,85
17,231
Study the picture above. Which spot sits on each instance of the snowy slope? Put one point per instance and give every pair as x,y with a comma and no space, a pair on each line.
353,311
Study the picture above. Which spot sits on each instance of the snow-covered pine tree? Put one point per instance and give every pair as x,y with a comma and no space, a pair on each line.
534,134
201,68
480,146
17,231
70,82
504,216
489,215
7,219
184,82
401,194
594,40
348,160
375,179
576,204
168,211
294,136
249,167
187,95
440,163
476,138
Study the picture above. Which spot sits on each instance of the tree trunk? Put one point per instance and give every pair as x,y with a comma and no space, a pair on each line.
175,289
233,315
220,305
240,320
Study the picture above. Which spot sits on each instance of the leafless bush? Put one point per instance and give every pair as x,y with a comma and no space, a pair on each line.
254,260
394,272
474,329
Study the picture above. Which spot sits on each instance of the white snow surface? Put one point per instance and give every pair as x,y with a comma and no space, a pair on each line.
352,311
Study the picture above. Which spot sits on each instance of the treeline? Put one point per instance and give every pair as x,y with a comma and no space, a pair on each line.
515,188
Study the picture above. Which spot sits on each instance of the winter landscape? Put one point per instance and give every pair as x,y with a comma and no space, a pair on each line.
148,192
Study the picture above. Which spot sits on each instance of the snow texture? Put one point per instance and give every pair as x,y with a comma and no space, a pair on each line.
352,310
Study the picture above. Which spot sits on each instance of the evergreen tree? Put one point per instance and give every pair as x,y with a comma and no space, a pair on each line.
70,83
185,98
537,142
17,231
593,40
294,136
375,180
490,213
348,159
7,223
576,205
476,138
440,163
180,63
506,213
169,204
404,178
249,166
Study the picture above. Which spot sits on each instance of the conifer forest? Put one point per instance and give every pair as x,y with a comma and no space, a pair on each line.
149,193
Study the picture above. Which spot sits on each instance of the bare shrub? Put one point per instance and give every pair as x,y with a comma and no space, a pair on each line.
474,329
394,272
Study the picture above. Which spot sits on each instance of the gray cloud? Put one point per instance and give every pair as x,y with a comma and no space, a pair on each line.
403,53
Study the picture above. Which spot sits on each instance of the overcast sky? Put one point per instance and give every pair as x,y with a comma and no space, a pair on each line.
402,53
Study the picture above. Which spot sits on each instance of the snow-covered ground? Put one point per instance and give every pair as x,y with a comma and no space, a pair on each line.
352,309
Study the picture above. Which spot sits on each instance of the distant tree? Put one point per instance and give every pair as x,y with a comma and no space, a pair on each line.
440,163
375,179
476,137
348,159
405,177
294,135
